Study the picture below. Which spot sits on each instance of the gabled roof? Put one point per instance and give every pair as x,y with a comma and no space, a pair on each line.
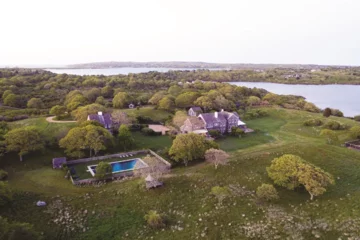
210,118
197,109
104,119
195,121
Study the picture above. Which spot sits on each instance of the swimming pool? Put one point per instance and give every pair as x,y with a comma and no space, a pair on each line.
121,166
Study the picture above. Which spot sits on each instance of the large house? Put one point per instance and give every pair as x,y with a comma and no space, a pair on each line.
103,118
221,121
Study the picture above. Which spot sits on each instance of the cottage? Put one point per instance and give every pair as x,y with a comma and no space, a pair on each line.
194,111
103,118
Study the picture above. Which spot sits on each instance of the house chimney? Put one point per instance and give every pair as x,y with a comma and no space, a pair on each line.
100,113
216,114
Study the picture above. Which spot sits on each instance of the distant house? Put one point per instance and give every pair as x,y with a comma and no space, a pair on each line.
221,121
194,111
103,118
131,105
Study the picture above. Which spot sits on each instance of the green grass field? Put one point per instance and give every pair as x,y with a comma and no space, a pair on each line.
116,210
148,111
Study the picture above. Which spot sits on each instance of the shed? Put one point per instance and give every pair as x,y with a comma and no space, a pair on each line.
58,162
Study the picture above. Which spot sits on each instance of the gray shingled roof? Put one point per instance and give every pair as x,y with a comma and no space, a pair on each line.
210,118
104,119
197,109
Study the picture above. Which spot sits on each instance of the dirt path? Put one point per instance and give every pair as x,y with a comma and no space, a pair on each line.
51,120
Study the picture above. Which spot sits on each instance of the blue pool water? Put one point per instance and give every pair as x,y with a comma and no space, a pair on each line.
120,166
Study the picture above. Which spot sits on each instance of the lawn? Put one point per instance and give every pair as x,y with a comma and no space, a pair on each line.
116,210
156,115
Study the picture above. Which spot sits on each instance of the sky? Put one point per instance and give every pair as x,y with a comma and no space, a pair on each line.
58,32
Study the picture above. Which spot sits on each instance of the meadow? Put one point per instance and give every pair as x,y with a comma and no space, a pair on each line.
116,210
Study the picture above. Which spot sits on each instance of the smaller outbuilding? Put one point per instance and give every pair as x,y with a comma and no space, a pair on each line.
152,182
58,162
195,111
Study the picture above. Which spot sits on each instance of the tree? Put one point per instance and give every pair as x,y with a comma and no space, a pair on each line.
291,171
310,107
267,192
57,110
330,135
189,147
174,90
179,118
205,102
97,138
216,157
327,112
5,193
154,219
333,125
91,137
355,132
125,137
220,193
120,100
253,100
35,103
314,179
101,100
357,118
237,132
6,93
284,171
107,92
166,103
92,94
17,231
103,170
13,100
186,99
82,113
337,112
155,99
24,140
119,117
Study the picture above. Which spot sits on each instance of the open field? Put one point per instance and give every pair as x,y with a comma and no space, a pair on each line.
116,210
148,111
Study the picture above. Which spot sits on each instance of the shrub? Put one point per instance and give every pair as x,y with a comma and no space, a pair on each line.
333,125
214,133
355,132
220,192
327,112
337,112
310,107
267,192
103,170
154,219
330,135
3,174
237,132
256,113
5,194
313,122
357,118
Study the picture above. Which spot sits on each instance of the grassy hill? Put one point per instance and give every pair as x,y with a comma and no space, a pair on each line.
116,210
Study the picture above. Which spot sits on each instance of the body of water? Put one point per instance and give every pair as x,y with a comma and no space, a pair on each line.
343,97
114,71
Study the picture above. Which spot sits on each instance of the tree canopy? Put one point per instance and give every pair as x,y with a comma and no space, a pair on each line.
24,140
121,100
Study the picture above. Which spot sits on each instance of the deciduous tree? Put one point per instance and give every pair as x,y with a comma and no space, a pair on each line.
82,113
327,112
121,100
166,103
125,137
97,138
57,110
216,157
355,132
267,192
24,140
35,103
189,147
103,170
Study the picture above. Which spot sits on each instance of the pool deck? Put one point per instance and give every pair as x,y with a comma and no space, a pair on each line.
139,164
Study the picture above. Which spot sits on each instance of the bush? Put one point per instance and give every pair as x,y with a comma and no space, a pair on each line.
333,125
256,113
355,132
337,113
237,132
154,219
3,174
5,194
214,133
220,192
313,122
327,112
357,118
137,127
267,192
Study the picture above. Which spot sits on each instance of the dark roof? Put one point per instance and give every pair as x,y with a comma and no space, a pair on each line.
104,119
210,118
196,109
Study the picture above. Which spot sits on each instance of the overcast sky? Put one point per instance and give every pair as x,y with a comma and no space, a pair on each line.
227,31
